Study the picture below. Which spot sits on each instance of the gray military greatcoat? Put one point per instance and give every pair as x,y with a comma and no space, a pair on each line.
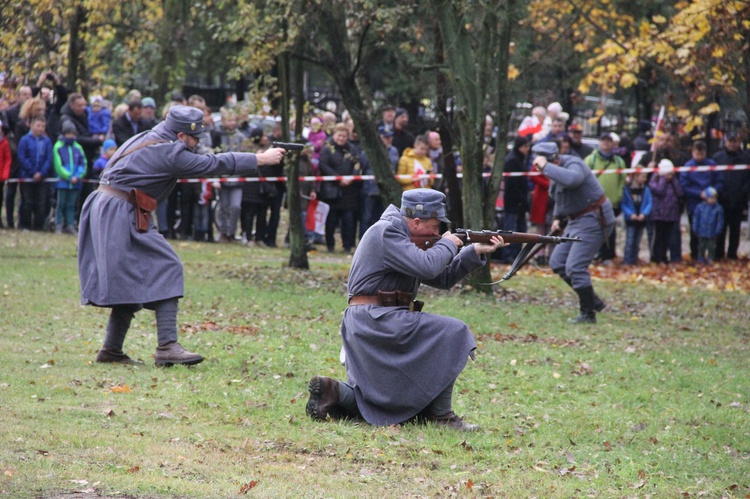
119,265
398,361
574,188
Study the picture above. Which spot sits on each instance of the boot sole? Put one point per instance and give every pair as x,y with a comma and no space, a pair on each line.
314,387
170,364
123,362
574,321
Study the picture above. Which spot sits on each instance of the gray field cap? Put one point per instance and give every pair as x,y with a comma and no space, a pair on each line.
545,149
424,203
185,119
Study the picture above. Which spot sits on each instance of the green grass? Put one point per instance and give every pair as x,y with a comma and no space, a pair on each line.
651,401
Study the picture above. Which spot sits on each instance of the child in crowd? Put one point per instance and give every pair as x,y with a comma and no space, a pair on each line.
109,147
414,163
708,221
317,137
70,167
636,207
666,193
35,162
100,117
694,183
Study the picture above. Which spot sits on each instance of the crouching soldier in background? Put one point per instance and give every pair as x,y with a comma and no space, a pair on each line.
580,199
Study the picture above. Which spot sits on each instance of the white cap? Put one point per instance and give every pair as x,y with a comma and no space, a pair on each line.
665,167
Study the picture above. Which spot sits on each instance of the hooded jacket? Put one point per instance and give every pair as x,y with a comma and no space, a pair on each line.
408,165
69,161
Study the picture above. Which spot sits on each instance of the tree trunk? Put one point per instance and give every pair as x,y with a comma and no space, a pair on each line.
467,54
746,76
503,109
169,71
75,47
298,253
450,183
343,72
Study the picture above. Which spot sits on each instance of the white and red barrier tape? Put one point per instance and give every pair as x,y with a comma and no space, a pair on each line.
336,178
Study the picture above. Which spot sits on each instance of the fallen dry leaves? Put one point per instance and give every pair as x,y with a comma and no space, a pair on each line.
246,330
246,487
727,275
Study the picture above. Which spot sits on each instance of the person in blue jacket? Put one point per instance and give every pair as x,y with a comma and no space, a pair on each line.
708,222
70,166
636,207
35,162
694,185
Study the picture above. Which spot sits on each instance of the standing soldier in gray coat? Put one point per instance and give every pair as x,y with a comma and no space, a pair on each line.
124,263
400,362
580,199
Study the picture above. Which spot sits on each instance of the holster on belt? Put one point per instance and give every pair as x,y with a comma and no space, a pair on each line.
144,205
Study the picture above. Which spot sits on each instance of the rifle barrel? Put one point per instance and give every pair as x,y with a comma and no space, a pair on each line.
511,237
484,236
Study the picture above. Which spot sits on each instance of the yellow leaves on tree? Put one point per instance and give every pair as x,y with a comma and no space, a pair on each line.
700,46
36,36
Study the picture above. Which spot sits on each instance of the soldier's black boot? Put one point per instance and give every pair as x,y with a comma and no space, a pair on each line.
599,304
324,399
587,314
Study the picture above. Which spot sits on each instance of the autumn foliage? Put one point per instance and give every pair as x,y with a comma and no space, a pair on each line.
722,276
700,45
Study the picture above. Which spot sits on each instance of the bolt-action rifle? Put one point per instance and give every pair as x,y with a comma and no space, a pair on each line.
484,236
533,243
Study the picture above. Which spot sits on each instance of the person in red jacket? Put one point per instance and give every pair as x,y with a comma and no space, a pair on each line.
541,210
5,161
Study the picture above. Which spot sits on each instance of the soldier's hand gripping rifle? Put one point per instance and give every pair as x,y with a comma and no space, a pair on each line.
533,242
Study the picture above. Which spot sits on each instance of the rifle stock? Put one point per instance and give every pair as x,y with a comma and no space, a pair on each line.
484,236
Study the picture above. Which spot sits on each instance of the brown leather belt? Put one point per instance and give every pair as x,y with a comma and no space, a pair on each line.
388,299
364,300
114,192
593,206
143,204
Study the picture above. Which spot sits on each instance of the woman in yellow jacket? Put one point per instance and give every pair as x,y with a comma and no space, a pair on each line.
415,162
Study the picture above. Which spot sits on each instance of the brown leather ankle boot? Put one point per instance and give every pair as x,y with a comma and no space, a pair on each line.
172,353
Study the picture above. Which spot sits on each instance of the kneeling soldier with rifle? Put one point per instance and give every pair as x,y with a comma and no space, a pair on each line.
579,199
402,363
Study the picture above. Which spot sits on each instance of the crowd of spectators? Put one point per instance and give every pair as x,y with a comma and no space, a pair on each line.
49,132
653,203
